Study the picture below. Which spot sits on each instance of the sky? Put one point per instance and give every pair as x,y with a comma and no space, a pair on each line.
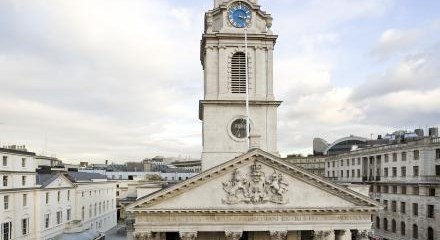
89,80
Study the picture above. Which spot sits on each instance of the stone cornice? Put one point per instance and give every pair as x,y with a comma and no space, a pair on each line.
366,210
241,102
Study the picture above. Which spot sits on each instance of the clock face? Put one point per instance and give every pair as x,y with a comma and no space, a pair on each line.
240,15
238,128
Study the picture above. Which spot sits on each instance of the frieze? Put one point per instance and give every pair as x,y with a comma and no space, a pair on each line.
255,188
251,218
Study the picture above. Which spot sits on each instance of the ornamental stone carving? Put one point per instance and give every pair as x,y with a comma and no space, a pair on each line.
233,235
323,235
255,188
278,235
143,236
362,235
188,235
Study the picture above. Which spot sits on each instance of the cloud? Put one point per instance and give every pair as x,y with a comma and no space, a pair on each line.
395,40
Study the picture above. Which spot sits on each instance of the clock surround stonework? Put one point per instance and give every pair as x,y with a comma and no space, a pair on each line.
220,107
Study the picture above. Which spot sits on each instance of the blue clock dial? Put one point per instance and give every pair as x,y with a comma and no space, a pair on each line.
240,15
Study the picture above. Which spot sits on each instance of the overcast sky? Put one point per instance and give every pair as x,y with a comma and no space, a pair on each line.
120,80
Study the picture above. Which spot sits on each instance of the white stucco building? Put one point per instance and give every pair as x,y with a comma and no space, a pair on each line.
42,206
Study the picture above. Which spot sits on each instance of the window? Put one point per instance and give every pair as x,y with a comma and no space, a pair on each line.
58,196
23,162
342,174
96,209
6,202
394,169
402,207
437,170
385,202
24,200
342,163
430,211
395,189
348,173
90,210
403,171
23,180
46,220
83,209
415,209
431,192
333,164
416,154
359,161
377,222
82,194
430,233
402,228
352,173
387,158
352,161
5,161
393,206
348,162
100,207
59,217
394,157
7,231
238,73
415,171
117,193
403,156
385,189
415,231
385,224
68,195
5,181
47,198
68,214
358,173
25,226
385,172
393,226
437,155
403,189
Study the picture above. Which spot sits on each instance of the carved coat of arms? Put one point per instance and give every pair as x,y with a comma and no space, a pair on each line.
254,187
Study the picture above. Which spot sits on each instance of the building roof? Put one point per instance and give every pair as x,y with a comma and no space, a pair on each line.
45,179
16,151
84,176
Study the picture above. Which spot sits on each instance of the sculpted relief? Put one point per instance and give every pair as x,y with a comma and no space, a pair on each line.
255,188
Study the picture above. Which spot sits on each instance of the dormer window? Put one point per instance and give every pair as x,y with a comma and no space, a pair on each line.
238,73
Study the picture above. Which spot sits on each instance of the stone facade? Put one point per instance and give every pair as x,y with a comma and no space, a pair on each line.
221,106
405,178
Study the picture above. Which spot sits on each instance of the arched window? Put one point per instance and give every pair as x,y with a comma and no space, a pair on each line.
402,228
238,73
393,226
385,224
430,233
415,231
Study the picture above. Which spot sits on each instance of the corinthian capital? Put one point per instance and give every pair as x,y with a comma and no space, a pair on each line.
188,235
233,235
278,235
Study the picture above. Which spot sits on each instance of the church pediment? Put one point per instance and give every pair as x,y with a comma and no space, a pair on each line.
256,181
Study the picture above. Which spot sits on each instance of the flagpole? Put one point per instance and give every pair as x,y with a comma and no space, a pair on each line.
247,90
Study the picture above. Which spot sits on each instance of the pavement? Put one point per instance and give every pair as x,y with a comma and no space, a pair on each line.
117,233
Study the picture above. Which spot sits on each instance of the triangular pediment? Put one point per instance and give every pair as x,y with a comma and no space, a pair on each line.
59,181
255,181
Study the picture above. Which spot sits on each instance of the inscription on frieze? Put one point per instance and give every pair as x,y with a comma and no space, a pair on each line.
254,187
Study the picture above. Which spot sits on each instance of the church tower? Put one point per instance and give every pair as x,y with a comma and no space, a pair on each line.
223,57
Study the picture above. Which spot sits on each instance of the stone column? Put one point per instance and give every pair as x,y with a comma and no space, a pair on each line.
129,223
143,236
188,235
344,235
324,235
233,235
278,235
362,234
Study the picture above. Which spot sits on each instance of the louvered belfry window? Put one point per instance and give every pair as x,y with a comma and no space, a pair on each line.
238,73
